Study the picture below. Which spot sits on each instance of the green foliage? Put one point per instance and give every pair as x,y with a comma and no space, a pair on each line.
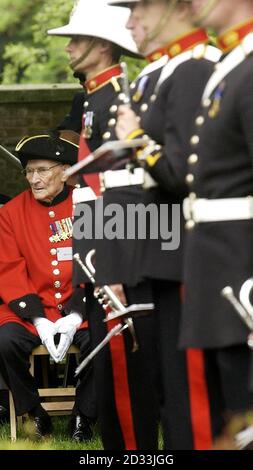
28,54
12,12
134,67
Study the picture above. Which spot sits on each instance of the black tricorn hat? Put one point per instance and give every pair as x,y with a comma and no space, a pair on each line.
59,146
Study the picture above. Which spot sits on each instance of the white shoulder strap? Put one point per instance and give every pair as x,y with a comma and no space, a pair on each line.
235,58
212,53
201,51
157,64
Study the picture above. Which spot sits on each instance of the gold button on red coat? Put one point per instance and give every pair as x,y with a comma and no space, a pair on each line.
92,84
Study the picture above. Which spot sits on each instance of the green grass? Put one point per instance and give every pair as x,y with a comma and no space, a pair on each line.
58,441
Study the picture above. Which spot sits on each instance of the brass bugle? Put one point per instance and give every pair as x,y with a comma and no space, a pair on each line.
113,332
244,296
106,296
136,310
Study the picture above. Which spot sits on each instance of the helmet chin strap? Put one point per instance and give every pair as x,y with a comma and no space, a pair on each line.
78,61
205,11
159,27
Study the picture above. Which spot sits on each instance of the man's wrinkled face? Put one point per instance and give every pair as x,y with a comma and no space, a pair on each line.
45,178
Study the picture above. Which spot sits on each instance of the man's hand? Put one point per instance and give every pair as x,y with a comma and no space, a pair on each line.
67,326
127,122
46,330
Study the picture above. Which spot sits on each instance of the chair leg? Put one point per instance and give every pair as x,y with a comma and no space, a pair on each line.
44,365
66,371
13,422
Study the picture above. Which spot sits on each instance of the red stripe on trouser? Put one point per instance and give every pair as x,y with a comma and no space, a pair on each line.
121,388
199,401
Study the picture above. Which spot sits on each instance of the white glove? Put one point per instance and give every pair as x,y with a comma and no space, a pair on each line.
67,326
46,330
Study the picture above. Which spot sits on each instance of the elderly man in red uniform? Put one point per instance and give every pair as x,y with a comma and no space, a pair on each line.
35,280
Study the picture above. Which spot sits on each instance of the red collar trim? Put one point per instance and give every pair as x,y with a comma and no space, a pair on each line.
180,44
103,78
233,37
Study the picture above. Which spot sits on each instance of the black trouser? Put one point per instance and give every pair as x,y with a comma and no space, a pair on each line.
175,414
156,373
16,345
227,373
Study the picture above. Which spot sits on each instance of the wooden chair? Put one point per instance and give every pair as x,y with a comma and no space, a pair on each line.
58,401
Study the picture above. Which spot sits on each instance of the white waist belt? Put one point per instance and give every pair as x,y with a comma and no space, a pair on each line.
217,210
113,179
83,195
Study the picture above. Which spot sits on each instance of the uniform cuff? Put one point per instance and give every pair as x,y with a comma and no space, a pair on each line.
76,303
27,307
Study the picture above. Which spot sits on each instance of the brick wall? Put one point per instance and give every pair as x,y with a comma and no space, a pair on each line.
28,109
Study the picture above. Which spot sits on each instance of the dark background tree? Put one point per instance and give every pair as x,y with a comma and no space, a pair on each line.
27,54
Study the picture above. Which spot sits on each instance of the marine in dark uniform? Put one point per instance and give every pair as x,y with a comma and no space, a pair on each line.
218,210
146,271
102,86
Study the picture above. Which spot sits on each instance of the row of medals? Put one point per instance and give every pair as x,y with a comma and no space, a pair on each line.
62,230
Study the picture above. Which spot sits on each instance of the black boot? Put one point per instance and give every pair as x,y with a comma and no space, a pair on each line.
42,422
80,428
3,415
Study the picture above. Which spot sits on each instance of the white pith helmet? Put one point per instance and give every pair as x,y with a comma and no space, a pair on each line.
119,3
96,18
